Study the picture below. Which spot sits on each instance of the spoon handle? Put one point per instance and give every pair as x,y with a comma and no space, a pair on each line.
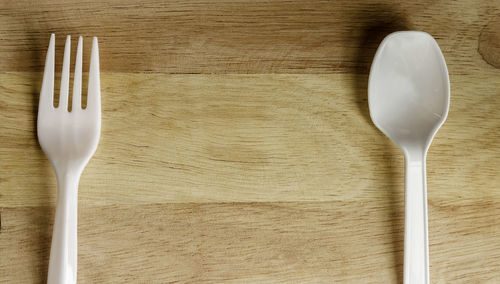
416,254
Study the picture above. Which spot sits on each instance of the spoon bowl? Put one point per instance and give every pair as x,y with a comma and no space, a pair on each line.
409,89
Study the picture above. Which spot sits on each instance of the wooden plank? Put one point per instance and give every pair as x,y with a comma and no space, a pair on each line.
347,242
238,173
247,138
245,36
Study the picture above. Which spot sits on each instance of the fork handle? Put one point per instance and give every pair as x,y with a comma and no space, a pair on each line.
63,251
416,244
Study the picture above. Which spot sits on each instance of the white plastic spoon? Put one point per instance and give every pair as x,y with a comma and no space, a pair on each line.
409,97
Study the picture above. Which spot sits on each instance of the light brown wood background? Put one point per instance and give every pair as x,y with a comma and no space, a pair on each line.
237,146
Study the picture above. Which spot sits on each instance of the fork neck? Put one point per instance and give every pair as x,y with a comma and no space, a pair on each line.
68,180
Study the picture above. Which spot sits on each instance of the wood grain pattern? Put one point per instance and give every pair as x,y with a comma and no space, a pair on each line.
254,242
264,166
280,36
245,138
253,138
489,43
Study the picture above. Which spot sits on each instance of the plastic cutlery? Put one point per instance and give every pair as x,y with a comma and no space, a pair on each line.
409,96
69,139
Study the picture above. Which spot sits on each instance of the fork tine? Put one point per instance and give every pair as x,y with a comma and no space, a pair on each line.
94,90
47,90
77,81
63,94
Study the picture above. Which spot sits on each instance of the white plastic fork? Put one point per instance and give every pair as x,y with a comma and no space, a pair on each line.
69,139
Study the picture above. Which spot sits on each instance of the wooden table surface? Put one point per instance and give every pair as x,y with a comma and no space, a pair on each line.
237,147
